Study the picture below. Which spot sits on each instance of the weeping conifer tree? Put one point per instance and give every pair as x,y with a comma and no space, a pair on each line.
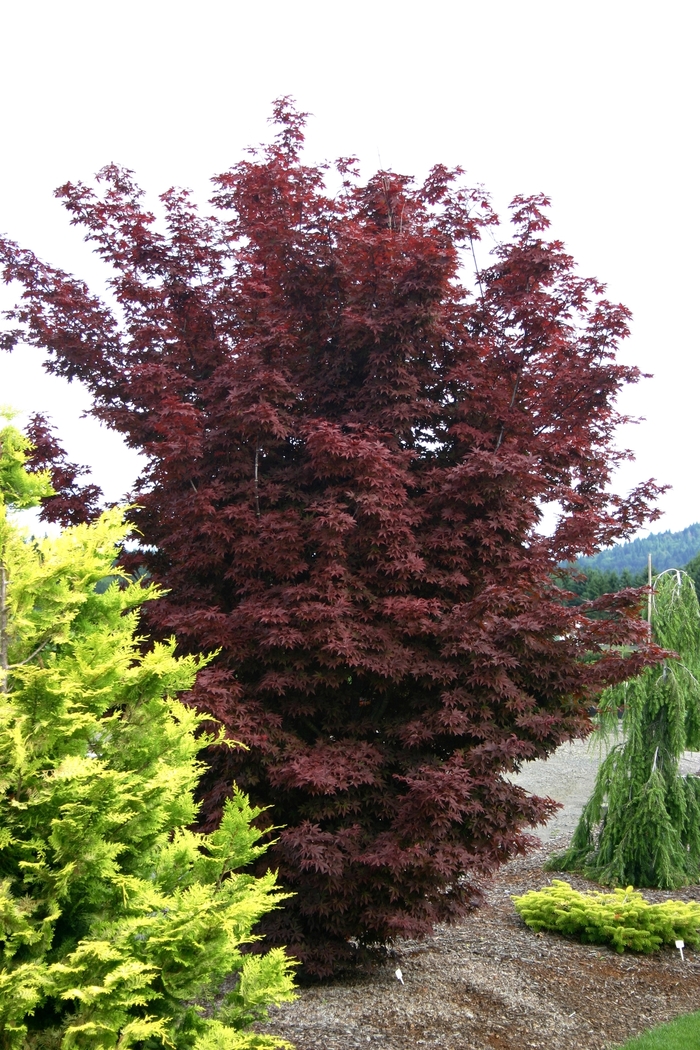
641,825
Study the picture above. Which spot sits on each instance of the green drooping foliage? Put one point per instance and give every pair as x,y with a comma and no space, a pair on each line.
114,918
667,549
642,822
623,919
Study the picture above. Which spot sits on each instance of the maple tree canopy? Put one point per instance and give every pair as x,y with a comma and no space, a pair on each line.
348,452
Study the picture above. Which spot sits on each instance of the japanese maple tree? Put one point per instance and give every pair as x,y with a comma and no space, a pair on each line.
349,448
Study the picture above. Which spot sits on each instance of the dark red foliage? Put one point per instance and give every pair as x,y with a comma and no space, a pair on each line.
348,452
73,503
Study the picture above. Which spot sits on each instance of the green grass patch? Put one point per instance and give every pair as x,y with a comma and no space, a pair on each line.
681,1034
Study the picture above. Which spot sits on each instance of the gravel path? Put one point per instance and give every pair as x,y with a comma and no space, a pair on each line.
489,983
568,776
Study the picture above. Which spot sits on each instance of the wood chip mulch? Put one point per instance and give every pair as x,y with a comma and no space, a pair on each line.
490,983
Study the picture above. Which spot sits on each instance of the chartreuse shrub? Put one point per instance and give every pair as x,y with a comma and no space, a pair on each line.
681,1034
623,918
115,919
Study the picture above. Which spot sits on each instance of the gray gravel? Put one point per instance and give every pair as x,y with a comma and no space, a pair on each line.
568,776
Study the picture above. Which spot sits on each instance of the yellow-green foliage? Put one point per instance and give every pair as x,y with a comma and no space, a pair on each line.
623,918
114,917
19,488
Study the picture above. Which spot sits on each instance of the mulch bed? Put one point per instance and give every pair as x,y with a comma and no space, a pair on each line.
490,983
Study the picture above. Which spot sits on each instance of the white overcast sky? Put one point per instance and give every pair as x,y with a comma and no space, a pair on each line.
594,103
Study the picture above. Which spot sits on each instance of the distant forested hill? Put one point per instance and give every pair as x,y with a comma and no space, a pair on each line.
669,550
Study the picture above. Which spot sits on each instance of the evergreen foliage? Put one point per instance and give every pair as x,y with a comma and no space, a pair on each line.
693,570
594,583
667,549
348,445
589,584
594,591
623,919
19,488
114,917
642,822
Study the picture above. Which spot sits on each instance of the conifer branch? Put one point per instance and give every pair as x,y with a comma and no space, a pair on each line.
641,826
12,667
3,628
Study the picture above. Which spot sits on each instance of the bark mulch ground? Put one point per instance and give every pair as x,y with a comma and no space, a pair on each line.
490,983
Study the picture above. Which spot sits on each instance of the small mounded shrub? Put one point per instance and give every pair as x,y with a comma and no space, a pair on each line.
623,919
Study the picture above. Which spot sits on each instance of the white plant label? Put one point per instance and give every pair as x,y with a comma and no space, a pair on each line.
680,945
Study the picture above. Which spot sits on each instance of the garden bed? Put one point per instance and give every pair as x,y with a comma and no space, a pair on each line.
492,984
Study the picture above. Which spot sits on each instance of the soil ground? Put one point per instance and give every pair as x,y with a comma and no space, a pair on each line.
490,983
